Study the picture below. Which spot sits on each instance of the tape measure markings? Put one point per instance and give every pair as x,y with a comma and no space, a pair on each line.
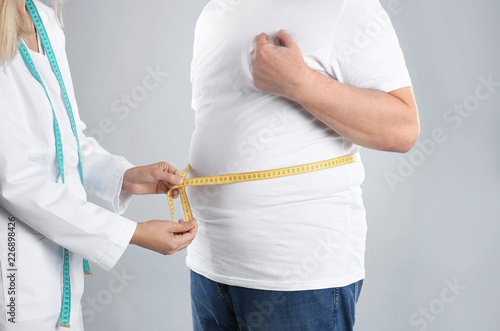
248,177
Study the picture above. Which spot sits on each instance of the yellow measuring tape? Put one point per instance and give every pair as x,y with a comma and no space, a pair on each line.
248,177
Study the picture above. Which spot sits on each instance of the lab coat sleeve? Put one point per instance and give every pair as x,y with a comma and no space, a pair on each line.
51,208
102,171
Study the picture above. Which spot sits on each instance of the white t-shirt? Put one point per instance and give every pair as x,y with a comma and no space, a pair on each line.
296,233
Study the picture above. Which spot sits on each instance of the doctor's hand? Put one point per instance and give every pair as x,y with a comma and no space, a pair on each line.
279,70
164,237
152,179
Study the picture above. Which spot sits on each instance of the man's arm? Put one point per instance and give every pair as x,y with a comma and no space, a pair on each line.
369,118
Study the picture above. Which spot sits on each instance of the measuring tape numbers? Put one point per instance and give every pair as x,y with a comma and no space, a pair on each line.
249,177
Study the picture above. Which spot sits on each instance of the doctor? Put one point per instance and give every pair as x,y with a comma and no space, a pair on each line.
46,167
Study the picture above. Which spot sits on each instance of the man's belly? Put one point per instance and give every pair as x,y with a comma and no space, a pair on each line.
255,234
226,150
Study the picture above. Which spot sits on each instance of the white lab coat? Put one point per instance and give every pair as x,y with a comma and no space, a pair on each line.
51,215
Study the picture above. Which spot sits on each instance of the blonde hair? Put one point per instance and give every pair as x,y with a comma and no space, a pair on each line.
12,28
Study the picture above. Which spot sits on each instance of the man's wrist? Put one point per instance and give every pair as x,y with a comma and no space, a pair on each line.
302,88
313,86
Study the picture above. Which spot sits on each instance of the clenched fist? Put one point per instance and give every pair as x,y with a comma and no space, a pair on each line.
279,70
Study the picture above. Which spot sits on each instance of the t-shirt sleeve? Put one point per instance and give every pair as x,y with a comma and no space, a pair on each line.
366,51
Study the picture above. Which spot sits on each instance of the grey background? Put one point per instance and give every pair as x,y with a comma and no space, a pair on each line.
437,227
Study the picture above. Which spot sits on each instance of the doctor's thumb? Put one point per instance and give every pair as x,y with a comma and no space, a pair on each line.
184,226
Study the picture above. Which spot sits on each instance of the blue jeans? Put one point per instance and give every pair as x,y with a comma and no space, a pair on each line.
219,307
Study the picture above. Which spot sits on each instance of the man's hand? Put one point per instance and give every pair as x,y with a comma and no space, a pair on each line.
278,70
153,179
164,237
369,118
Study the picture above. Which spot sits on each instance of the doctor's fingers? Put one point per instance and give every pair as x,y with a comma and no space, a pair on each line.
167,173
175,194
184,245
174,242
163,188
165,166
182,240
182,227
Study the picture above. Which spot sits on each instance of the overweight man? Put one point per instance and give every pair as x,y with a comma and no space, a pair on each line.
280,84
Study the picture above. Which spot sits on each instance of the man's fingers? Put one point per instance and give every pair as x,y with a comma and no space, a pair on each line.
261,39
286,39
